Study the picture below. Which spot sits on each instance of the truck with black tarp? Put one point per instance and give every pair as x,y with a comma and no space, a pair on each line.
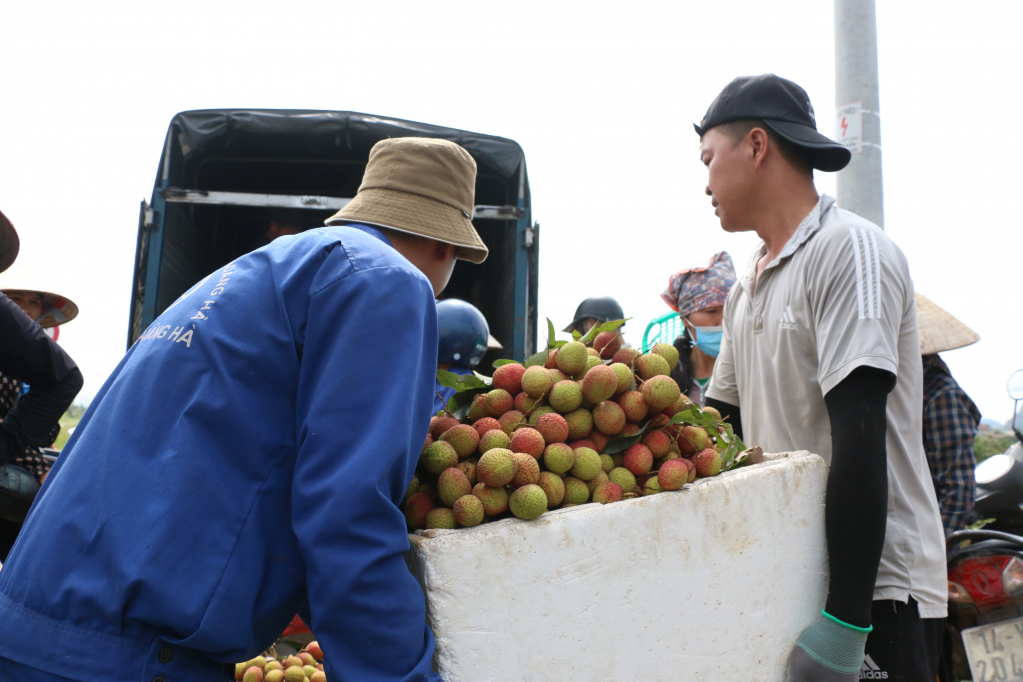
226,174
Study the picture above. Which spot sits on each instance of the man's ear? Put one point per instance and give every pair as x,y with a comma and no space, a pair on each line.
759,142
444,252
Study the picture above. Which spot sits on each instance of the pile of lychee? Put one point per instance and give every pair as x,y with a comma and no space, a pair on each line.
583,422
304,666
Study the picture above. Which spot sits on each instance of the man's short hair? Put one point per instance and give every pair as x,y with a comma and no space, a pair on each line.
796,156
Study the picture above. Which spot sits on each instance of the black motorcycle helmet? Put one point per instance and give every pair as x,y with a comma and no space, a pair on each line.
463,333
600,308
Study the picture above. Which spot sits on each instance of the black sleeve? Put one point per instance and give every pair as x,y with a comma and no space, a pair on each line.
729,413
29,355
857,493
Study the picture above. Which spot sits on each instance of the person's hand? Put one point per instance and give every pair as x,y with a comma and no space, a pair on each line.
42,479
827,651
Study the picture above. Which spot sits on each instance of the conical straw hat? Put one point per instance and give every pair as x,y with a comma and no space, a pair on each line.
939,330
57,309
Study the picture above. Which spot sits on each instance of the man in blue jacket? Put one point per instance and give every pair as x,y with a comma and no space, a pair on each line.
247,457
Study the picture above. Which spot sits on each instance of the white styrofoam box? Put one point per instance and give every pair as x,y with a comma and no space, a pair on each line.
712,582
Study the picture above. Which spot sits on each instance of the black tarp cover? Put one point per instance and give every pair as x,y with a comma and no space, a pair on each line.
315,134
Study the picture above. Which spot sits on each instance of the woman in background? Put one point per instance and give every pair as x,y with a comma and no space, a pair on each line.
27,356
698,296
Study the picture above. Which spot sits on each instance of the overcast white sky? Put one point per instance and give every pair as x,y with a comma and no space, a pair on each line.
600,95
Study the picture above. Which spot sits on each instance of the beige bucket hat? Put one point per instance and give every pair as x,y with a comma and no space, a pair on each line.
939,330
57,309
9,243
421,186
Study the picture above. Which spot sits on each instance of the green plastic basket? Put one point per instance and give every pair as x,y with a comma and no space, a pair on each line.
663,329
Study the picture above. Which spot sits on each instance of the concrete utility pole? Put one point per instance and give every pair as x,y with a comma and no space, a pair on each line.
857,108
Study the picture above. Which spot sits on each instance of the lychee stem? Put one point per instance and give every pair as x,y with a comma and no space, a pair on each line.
450,414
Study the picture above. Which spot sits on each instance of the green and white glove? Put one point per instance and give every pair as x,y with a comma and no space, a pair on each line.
828,651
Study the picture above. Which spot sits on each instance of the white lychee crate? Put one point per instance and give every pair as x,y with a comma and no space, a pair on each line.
712,582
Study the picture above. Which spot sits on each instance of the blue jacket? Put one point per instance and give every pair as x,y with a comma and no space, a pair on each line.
244,462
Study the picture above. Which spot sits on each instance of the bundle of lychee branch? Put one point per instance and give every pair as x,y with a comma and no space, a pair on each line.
582,421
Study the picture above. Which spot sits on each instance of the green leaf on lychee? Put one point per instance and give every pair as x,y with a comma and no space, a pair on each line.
576,335
485,380
537,359
608,326
502,363
550,333
623,443
448,379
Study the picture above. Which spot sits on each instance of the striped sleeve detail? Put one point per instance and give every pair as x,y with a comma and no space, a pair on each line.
868,273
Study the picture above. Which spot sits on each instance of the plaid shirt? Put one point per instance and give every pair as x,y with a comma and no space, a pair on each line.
950,425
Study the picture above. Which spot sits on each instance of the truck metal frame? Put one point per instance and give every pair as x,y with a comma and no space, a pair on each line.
215,162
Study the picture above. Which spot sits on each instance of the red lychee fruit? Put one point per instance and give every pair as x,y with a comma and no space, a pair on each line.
510,420
468,467
477,409
525,404
307,659
553,427
639,459
495,438
463,438
609,418
607,344
496,467
452,484
668,352
529,441
553,487
441,517
274,675
592,352
693,439
626,356
558,457
707,462
416,509
430,490
583,443
576,491
630,430
566,396
537,381
634,406
713,411
318,676
672,475
527,470
587,464
509,378
682,403
315,650
427,443
495,500
572,358
528,502
623,477
659,443
607,493
441,425
551,361
580,423
660,391
468,510
599,384
607,463
486,424
599,440
439,456
253,674
650,365
597,480
497,402
534,417
557,375
625,377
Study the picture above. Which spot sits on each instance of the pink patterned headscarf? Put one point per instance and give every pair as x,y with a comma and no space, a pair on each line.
699,288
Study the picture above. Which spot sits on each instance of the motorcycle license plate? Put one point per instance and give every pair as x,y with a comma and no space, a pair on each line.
995,651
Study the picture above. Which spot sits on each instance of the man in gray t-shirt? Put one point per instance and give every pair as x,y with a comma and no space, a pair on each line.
820,351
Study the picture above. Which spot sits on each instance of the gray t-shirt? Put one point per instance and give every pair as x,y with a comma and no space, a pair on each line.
838,297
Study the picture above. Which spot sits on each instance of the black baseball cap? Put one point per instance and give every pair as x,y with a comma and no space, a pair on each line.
785,108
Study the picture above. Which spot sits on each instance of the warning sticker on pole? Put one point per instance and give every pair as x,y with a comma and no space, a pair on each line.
849,126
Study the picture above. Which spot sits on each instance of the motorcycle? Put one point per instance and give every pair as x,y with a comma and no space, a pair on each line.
984,637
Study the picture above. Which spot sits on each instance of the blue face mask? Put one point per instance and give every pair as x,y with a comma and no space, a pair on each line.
708,340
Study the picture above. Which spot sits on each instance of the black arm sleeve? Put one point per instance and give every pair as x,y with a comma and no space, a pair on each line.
728,412
857,494
29,355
